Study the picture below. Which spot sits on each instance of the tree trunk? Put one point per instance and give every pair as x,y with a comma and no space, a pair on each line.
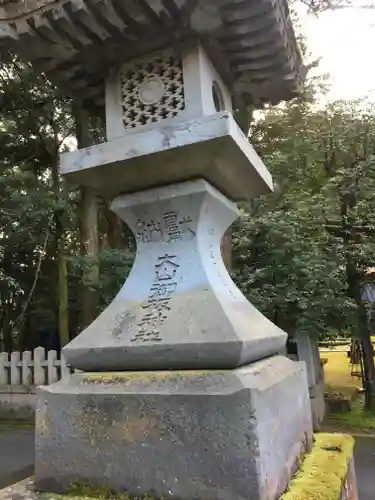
354,288
355,292
62,275
24,333
63,296
226,249
114,228
89,229
368,357
9,337
89,247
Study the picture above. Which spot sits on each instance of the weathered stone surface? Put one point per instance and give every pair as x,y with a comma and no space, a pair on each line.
197,434
318,404
179,308
338,403
76,42
212,147
23,490
176,84
343,486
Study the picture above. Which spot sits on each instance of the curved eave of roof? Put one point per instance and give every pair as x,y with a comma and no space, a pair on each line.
76,42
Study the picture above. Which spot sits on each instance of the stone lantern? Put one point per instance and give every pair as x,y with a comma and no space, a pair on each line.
182,391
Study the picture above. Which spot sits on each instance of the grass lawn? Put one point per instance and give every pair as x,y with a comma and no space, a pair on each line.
15,424
338,379
337,373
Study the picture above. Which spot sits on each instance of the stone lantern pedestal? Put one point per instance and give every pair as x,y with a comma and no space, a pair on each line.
183,393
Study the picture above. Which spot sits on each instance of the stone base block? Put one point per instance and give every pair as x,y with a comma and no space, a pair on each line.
318,404
212,435
327,473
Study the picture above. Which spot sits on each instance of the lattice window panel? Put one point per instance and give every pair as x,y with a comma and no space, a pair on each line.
152,90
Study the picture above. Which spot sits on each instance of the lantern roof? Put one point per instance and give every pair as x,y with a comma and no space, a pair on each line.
77,42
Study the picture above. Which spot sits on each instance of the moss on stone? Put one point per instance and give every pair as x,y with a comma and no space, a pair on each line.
80,491
118,377
323,470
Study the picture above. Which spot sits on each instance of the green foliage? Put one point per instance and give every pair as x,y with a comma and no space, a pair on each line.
357,421
114,266
285,268
292,248
36,124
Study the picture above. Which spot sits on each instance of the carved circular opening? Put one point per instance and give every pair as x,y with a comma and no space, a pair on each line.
217,97
151,90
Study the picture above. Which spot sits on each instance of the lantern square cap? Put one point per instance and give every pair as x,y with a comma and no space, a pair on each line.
212,147
77,42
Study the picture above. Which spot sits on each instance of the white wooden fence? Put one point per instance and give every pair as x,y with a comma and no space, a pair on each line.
32,368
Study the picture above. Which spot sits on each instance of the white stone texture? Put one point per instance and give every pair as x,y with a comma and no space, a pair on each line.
318,404
39,371
32,368
172,86
51,367
26,365
15,373
308,352
179,307
20,373
212,147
